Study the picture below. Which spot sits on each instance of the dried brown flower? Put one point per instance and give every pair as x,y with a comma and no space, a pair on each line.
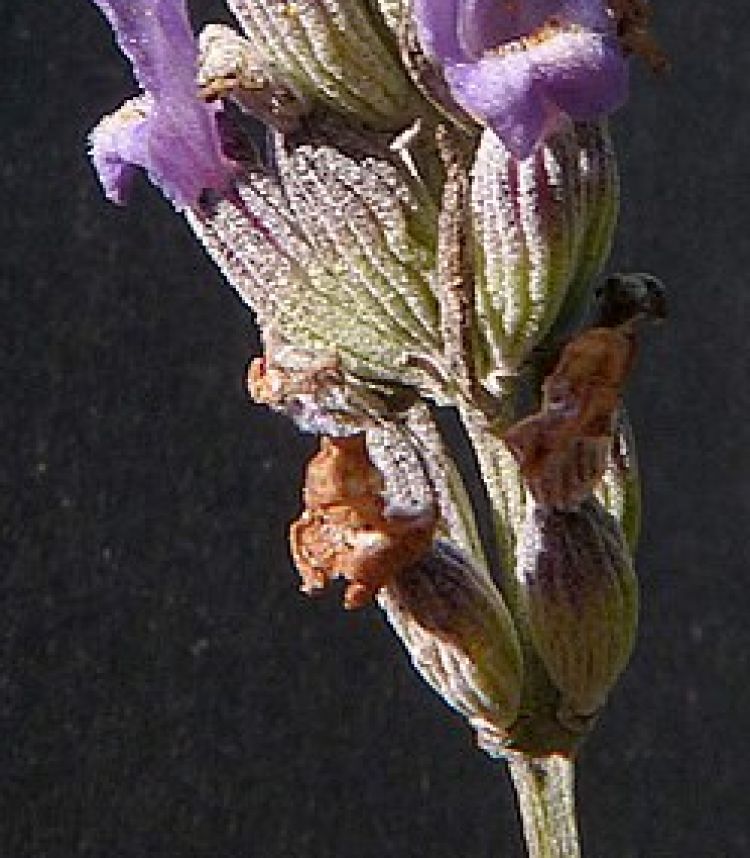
562,449
345,529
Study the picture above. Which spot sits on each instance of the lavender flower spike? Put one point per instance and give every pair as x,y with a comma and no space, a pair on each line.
522,66
170,132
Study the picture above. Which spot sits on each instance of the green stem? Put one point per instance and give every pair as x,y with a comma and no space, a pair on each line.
546,801
502,480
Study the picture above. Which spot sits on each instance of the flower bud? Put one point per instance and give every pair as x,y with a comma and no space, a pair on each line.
579,594
328,50
366,291
460,637
543,226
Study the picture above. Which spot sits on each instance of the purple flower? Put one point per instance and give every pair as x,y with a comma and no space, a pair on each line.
520,66
170,132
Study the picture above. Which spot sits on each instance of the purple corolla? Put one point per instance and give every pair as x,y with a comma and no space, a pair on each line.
170,132
521,66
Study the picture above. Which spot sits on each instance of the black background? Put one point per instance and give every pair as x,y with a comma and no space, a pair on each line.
164,690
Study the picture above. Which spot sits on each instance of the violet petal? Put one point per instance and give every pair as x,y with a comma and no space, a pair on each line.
585,75
155,35
436,23
520,66
117,144
482,25
177,142
501,92
522,94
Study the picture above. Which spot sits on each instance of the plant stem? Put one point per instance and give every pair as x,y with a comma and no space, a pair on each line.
546,801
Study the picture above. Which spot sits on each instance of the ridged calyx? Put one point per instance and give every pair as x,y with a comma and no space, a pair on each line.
543,229
460,637
327,50
579,596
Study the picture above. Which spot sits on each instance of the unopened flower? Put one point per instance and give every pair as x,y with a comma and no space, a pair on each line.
171,133
579,595
543,228
335,54
520,66
460,636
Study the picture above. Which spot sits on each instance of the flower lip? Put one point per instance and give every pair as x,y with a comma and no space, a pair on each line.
520,66
174,137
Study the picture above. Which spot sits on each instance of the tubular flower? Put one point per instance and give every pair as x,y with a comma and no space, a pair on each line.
522,66
170,132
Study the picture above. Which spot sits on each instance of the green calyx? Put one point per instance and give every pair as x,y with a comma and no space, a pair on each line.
543,229
328,51
578,595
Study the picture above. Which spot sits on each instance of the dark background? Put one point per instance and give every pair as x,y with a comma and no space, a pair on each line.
164,690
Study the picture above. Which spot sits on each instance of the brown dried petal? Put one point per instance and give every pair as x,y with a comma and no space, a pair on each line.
562,449
632,18
345,530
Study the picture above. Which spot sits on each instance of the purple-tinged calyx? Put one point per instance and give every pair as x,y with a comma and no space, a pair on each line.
523,66
461,638
169,132
578,592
